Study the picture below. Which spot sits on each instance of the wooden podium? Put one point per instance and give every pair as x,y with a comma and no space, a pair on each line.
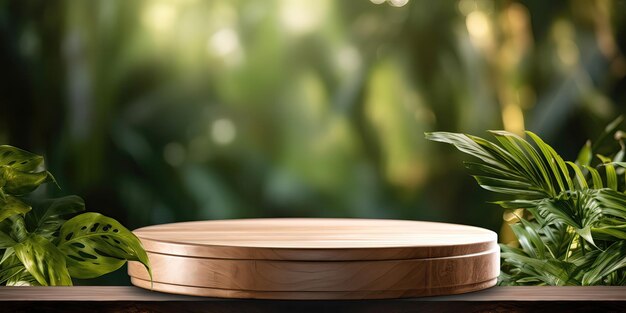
316,258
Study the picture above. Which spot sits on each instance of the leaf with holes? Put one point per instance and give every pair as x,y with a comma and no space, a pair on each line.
94,245
20,183
43,261
19,159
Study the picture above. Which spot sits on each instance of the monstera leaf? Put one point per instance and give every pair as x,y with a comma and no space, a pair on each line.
17,171
47,216
95,245
19,159
20,183
43,261
10,206
37,244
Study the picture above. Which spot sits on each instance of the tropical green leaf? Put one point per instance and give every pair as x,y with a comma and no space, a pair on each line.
595,175
18,231
95,245
585,155
20,183
569,228
529,239
558,210
509,162
47,216
552,272
580,177
22,279
19,159
507,186
90,244
609,232
555,162
6,241
559,162
7,273
611,203
607,262
519,156
43,261
557,239
518,161
484,169
11,206
11,267
611,175
466,145
603,158
528,157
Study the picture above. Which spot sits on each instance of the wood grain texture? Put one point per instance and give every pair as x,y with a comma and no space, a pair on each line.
131,299
310,295
317,258
540,294
254,306
393,275
316,239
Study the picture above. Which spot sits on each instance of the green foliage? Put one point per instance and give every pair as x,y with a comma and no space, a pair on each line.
96,245
38,246
43,260
573,227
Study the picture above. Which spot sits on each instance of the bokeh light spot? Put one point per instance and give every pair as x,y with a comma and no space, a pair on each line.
398,3
224,42
302,16
223,131
477,24
159,17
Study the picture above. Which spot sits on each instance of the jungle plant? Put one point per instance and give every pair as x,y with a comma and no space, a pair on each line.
38,245
571,216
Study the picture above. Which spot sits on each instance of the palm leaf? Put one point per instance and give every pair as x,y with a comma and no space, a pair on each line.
580,177
556,162
577,227
607,262
595,175
549,159
466,145
513,168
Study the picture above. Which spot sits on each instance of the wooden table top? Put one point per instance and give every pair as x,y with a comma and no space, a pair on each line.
81,299
129,293
316,239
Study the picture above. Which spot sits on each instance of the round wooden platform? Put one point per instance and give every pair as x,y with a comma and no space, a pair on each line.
317,258
308,295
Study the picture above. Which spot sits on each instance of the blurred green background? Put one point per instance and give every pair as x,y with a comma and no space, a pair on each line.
160,111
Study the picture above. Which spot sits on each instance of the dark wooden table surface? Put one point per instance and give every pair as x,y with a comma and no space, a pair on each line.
132,299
